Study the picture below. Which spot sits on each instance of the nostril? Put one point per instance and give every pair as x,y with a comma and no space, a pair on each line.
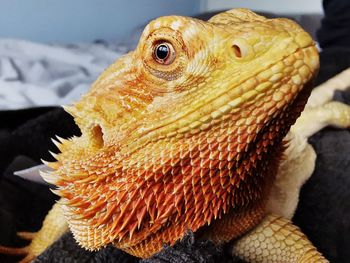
237,50
97,136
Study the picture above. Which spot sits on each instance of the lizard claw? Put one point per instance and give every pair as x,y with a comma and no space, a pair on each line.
26,235
26,251
53,227
22,251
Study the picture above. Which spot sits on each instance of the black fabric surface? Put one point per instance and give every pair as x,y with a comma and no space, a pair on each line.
334,38
335,28
24,139
67,250
188,250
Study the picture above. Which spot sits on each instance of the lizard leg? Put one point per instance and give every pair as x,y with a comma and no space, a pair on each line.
299,165
324,92
314,119
294,170
54,226
233,225
276,239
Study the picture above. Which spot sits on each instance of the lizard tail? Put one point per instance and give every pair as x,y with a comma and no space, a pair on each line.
276,239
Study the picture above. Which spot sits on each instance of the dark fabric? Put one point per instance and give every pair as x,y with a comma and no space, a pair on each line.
335,28
324,211
325,197
29,133
67,250
24,139
333,61
334,39
188,250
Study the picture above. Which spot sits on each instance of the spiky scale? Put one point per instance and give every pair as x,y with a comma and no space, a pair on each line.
148,119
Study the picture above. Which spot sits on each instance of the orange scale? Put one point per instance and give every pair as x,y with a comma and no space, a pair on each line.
205,163
222,146
175,171
205,153
185,162
213,165
159,177
169,188
149,199
194,153
144,174
195,162
166,169
178,203
190,212
224,181
185,170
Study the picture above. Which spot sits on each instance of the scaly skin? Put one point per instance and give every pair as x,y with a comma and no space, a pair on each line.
168,147
171,147
189,143
276,240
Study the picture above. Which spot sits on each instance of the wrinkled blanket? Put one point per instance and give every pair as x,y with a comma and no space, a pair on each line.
33,74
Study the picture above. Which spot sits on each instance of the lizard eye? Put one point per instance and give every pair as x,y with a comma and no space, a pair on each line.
164,53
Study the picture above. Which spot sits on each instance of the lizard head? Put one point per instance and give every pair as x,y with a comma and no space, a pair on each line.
194,104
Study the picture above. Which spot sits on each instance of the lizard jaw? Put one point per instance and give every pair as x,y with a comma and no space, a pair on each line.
249,92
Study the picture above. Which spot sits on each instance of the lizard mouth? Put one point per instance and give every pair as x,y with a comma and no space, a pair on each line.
263,96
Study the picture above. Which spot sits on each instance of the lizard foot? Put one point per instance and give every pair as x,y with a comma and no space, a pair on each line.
312,120
29,252
53,227
25,252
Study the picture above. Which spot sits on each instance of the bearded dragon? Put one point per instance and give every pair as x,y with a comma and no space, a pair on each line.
186,133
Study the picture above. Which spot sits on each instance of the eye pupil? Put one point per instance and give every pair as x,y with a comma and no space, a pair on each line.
162,51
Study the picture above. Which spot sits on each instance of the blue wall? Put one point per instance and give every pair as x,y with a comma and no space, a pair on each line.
67,21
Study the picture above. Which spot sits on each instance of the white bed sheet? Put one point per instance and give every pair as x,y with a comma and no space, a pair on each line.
33,74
